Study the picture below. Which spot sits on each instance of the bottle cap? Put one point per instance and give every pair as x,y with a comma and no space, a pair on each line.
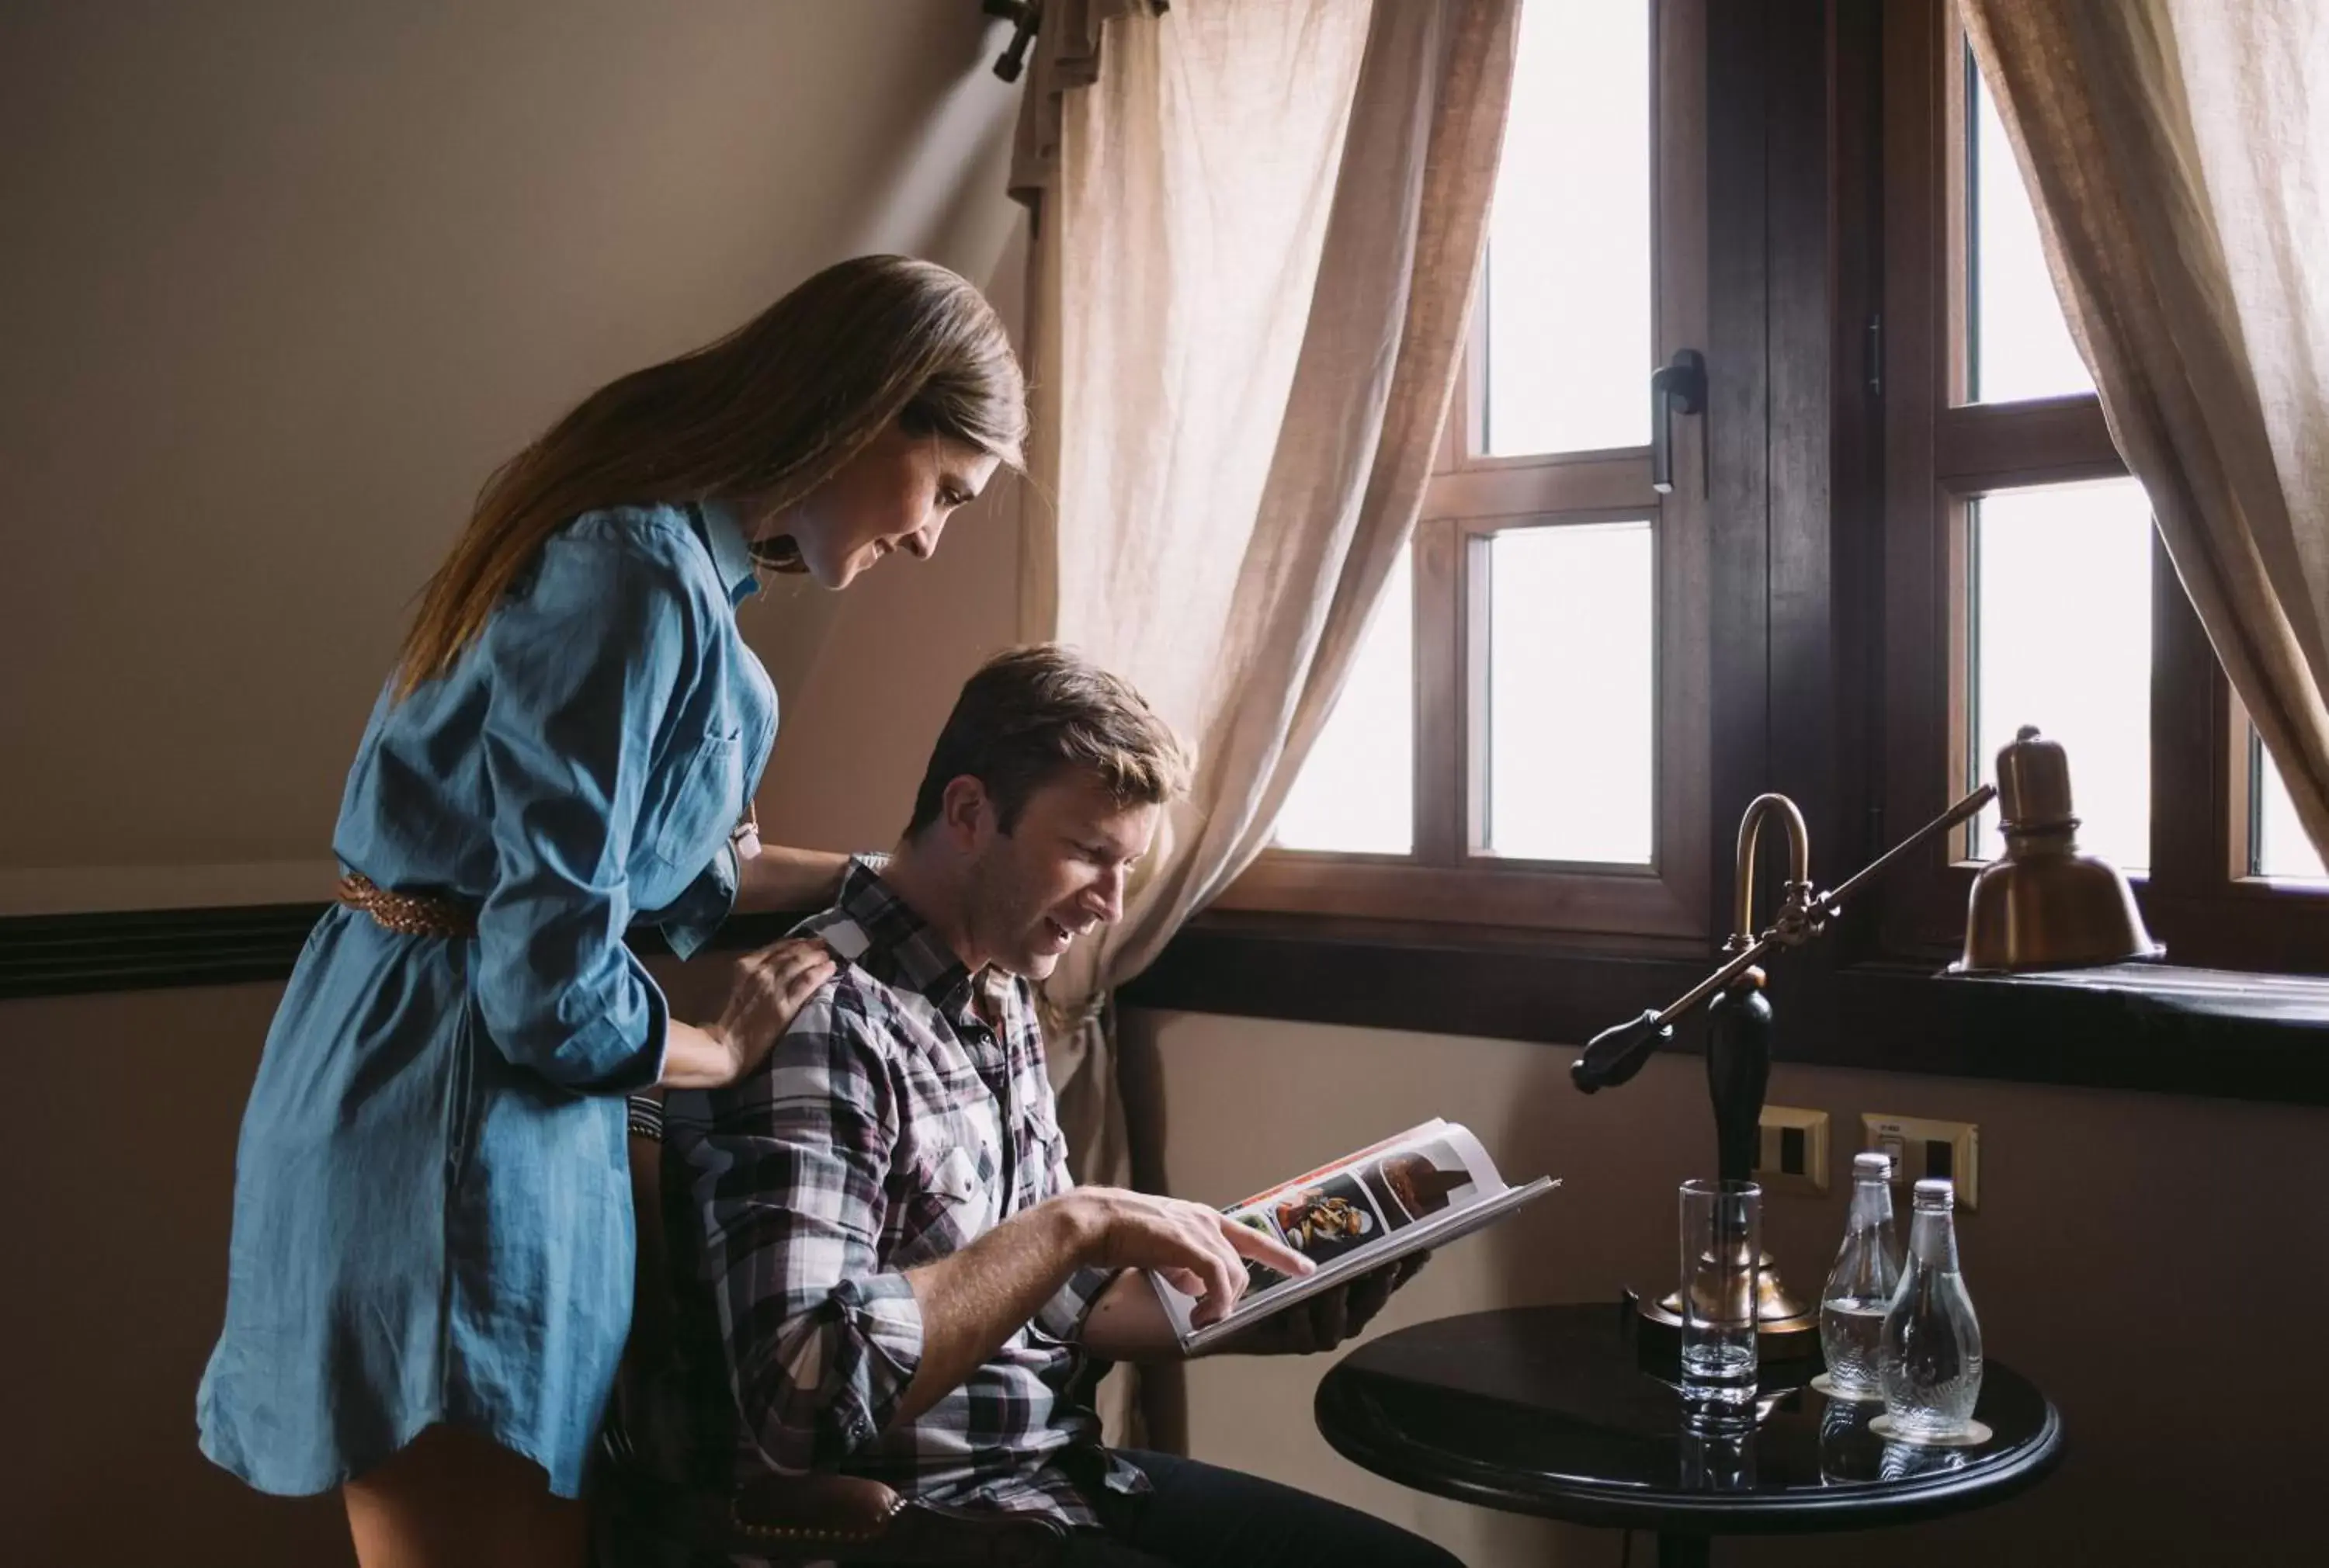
1872,1165
1937,1191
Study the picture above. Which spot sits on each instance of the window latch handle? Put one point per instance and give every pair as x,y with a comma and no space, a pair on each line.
1678,386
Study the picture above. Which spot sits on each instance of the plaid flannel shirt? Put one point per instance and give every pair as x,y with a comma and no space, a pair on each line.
891,1126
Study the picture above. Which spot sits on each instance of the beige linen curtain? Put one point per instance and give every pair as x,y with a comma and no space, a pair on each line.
1259,230
2178,154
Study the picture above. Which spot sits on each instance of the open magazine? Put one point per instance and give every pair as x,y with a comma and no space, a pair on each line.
1420,1190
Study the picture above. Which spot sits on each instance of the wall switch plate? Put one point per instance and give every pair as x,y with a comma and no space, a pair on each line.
1921,1147
1791,1154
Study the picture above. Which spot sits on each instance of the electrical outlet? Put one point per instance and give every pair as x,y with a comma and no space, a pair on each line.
1791,1153
1920,1147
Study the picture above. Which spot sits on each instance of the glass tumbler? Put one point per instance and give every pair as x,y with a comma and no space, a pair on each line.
1721,1244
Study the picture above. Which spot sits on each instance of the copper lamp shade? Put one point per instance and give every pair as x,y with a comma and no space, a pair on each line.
2042,905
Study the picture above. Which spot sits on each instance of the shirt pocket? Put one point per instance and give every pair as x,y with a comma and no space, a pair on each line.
950,1210
705,799
1042,1154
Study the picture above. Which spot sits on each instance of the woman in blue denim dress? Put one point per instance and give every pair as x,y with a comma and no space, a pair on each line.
429,1280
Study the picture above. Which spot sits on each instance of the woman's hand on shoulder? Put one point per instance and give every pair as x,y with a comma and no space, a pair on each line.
769,989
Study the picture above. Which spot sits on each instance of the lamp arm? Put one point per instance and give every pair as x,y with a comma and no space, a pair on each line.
1616,1054
1831,905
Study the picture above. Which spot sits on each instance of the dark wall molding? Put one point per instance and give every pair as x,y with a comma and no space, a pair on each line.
2162,1030
150,949
160,949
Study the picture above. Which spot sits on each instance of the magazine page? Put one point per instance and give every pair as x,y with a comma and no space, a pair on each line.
1358,1202
1407,1192
1398,1140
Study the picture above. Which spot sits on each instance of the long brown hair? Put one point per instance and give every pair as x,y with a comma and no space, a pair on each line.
769,411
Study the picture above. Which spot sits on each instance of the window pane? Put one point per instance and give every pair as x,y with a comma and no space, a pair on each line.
2282,850
1572,707
2021,346
2061,639
1356,790
1569,284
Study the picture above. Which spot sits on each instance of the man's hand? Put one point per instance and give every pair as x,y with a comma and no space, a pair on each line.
1326,1320
1200,1251
974,1299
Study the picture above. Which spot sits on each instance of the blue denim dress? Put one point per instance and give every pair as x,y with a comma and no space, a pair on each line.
432,1214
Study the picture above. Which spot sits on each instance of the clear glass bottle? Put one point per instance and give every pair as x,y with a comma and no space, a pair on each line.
1931,1358
1860,1286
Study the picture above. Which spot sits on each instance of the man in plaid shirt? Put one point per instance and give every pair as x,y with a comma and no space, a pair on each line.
901,1278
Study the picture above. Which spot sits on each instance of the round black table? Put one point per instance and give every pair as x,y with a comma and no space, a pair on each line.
1550,1410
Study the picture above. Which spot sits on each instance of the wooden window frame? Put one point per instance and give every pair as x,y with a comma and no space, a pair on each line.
1447,879
1941,453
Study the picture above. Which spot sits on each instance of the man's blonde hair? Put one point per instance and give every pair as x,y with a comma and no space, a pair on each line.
1034,712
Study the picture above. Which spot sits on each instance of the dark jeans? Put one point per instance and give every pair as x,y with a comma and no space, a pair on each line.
1201,1515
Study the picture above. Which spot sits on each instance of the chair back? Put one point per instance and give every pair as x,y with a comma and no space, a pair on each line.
778,1519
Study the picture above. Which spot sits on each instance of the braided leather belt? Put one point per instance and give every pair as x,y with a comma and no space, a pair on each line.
407,913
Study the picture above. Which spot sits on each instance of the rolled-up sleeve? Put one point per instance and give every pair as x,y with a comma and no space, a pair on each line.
691,920
584,664
790,1181
1063,1317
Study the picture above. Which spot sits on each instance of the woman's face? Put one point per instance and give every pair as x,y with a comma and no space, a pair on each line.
895,494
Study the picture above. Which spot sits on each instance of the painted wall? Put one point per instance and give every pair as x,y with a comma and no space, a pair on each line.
115,1180
282,283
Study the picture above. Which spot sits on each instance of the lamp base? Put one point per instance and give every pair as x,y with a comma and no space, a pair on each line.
1786,1331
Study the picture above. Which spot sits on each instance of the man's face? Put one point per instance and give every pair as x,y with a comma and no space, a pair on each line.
1058,875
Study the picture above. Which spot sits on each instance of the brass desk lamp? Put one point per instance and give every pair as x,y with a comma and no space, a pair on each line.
2042,905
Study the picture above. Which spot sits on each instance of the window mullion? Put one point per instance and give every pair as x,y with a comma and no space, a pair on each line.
2191,826
1439,707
